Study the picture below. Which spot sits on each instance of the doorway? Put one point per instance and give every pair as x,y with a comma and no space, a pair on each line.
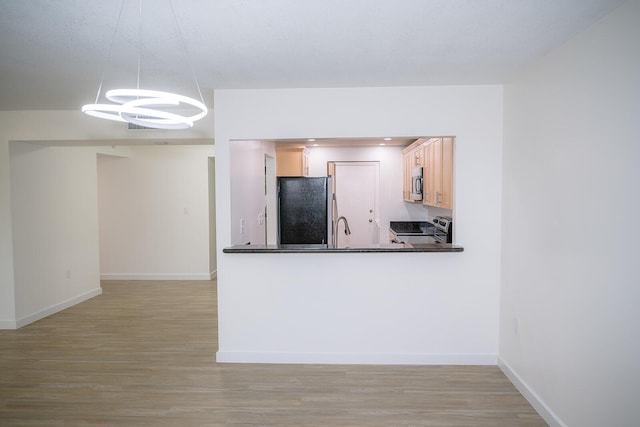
356,189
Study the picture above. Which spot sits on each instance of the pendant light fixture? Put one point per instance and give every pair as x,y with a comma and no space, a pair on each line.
143,107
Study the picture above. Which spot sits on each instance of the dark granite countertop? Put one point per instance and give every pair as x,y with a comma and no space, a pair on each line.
392,247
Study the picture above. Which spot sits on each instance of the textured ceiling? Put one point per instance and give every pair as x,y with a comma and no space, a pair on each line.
54,52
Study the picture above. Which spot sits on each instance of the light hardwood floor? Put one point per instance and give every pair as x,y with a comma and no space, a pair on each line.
143,354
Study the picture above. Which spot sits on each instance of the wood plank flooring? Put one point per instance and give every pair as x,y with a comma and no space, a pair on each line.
143,354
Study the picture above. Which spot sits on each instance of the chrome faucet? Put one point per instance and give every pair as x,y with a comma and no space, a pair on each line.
347,231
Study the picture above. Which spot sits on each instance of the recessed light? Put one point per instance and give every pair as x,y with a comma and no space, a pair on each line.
311,139
387,139
315,145
381,143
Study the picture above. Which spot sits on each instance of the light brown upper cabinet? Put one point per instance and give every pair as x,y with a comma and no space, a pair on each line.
438,173
407,162
413,156
292,161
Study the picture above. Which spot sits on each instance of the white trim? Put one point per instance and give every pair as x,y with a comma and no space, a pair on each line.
151,276
7,324
57,307
355,358
532,397
213,274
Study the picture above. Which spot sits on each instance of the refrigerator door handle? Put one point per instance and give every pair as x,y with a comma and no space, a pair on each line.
332,205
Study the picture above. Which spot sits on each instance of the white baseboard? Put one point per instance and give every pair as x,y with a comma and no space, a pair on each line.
8,324
150,276
355,358
532,397
57,307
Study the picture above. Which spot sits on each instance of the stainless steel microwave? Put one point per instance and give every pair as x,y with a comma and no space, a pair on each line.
416,183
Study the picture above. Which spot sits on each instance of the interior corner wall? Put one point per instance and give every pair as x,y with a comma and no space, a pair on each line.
70,128
570,294
55,228
247,159
7,288
154,213
366,307
213,268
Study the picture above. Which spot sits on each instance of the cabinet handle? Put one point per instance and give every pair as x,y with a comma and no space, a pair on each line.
438,197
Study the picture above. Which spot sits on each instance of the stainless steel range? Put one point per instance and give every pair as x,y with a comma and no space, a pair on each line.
439,230
443,229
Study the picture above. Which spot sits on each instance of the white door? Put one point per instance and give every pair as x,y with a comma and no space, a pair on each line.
357,200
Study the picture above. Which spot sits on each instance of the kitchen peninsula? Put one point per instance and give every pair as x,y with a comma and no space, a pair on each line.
292,203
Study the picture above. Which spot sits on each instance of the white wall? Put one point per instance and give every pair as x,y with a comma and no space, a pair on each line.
569,302
247,187
7,289
385,307
69,128
154,213
211,170
55,228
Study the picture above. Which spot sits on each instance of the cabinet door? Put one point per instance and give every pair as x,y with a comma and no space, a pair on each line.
446,197
292,161
437,171
438,185
406,177
429,189
433,173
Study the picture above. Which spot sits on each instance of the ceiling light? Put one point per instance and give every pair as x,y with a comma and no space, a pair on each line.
387,139
143,107
311,139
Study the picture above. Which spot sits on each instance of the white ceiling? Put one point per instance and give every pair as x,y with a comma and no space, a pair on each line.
53,52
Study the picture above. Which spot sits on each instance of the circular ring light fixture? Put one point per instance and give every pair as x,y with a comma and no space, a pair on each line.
150,115
147,108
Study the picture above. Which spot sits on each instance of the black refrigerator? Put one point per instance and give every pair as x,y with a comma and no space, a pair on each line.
305,210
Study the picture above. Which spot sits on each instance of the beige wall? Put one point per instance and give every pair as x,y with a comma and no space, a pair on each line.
154,213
